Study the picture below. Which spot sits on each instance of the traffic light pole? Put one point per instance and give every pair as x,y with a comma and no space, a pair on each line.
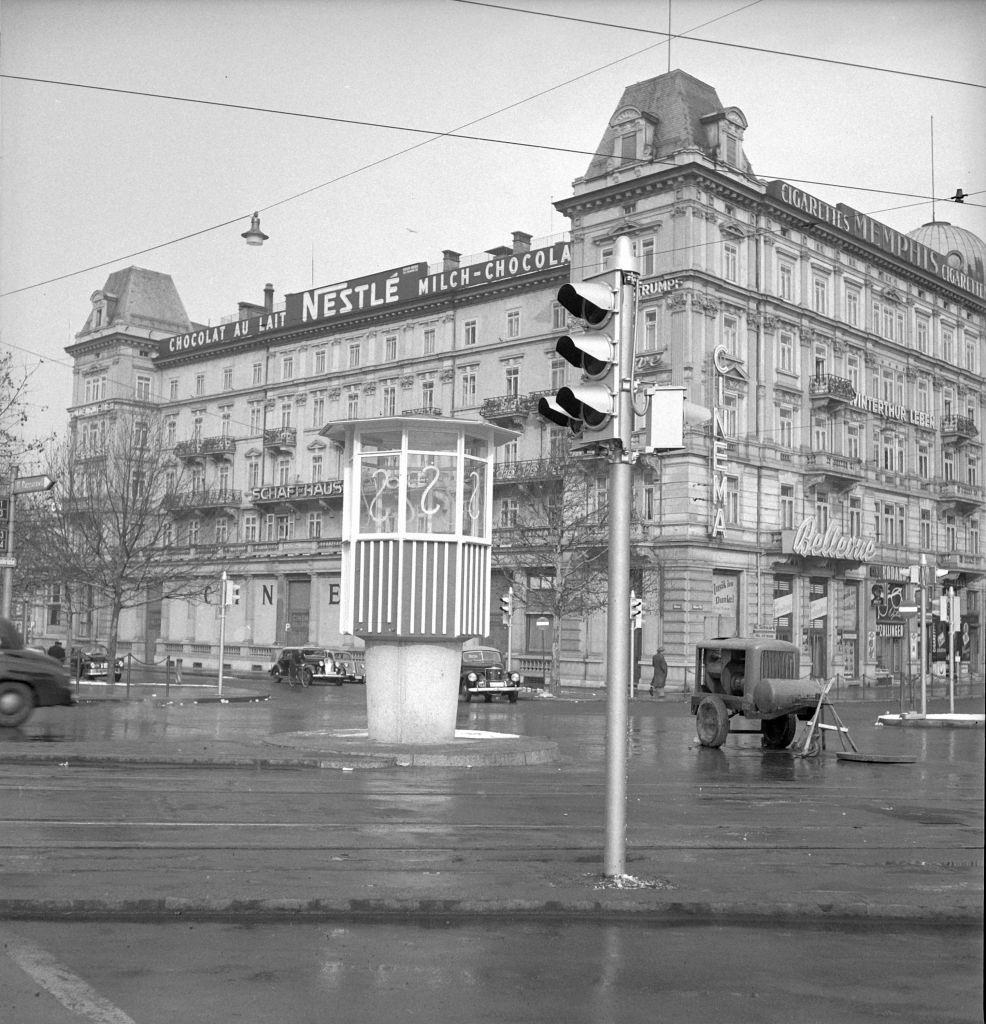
618,618
222,629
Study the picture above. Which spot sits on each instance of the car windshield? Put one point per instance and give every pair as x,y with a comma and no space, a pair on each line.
484,657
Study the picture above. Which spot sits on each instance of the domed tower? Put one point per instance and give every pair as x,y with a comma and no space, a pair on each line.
965,252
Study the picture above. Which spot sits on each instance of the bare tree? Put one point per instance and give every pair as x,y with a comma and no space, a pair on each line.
14,415
107,525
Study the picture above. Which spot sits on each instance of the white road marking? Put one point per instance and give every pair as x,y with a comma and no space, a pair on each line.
69,989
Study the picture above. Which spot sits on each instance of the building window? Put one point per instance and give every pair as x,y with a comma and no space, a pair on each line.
559,316
222,529
971,345
730,335
227,378
729,415
318,410
606,258
171,432
948,346
972,471
923,396
390,348
787,507
320,364
557,373
200,384
173,389
648,257
854,374
428,394
316,469
283,471
731,500
194,530
508,513
429,341
225,419
287,367
785,425
948,465
852,307
468,388
513,381
822,512
973,536
785,352
924,461
730,259
950,532
250,527
925,528
352,405
469,332
513,323
650,329
253,472
855,517
853,442
256,419
389,400
820,433
258,373
286,409
785,281
354,355
143,389
921,330
223,477
95,389
820,295
508,452
314,525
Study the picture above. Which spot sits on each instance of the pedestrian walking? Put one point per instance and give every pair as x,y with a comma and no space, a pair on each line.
660,672
294,667
57,652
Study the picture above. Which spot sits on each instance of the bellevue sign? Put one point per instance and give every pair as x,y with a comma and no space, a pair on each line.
808,542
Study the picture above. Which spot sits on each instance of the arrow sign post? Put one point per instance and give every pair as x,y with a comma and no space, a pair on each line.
31,484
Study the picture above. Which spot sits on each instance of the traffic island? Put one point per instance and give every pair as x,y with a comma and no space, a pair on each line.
915,720
469,748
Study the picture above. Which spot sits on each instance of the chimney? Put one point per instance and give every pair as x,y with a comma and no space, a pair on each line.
450,259
269,297
522,241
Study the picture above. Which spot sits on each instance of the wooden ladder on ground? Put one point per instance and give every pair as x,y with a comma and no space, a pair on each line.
817,727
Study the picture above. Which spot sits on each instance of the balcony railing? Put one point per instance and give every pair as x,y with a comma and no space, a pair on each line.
530,469
509,406
281,438
216,497
830,470
831,389
423,410
218,445
958,428
963,496
190,449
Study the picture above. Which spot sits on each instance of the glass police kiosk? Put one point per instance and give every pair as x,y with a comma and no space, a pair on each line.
416,541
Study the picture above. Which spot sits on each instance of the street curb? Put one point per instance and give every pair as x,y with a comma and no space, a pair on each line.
451,911
349,762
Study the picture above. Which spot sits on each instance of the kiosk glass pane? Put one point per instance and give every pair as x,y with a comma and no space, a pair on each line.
379,493
474,498
430,493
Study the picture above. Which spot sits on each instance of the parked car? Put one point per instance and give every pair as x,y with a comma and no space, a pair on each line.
483,673
758,679
28,679
350,663
317,665
92,662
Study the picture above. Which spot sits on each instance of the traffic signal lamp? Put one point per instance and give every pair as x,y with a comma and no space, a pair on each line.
232,593
636,611
668,415
590,409
507,606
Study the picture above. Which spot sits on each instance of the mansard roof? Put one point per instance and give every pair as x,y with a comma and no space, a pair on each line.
137,297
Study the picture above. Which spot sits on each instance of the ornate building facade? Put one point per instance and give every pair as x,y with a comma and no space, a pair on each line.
842,362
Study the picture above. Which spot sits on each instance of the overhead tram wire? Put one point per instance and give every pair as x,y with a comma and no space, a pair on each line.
720,42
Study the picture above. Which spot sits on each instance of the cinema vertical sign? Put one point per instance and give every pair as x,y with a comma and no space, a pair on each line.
721,368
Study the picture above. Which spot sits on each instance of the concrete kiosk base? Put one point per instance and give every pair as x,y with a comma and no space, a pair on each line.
412,690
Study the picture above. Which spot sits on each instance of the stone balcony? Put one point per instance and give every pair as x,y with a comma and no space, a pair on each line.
283,440
831,391
201,500
958,429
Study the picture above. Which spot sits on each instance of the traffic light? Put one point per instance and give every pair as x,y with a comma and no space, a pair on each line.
668,414
591,408
507,605
636,611
232,593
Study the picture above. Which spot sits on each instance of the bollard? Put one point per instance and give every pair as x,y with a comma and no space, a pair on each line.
167,676
130,659
177,671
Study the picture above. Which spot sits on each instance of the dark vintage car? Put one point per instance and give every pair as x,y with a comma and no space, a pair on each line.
483,673
28,679
756,678
315,665
350,663
92,662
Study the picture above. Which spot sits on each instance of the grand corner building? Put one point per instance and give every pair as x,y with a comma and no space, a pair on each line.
842,360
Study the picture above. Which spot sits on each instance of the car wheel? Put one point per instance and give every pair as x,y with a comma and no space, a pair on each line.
306,676
16,704
712,721
512,697
468,696
117,676
778,732
488,698
276,676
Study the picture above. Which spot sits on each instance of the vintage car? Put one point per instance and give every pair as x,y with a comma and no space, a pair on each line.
28,679
483,673
759,679
317,665
92,663
350,663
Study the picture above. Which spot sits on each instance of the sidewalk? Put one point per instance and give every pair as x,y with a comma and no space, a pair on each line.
713,836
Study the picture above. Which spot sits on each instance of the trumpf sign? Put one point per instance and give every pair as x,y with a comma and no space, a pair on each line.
857,225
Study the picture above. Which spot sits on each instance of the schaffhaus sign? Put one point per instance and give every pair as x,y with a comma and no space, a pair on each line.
862,228
809,542
292,492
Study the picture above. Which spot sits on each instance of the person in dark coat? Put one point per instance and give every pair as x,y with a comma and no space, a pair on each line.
660,671
57,652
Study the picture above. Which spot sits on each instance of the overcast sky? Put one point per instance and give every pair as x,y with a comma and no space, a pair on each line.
95,176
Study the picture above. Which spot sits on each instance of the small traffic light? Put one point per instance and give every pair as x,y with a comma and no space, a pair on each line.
507,605
232,593
591,408
636,611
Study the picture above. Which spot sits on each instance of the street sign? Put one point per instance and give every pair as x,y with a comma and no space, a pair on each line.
30,484
542,622
7,562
